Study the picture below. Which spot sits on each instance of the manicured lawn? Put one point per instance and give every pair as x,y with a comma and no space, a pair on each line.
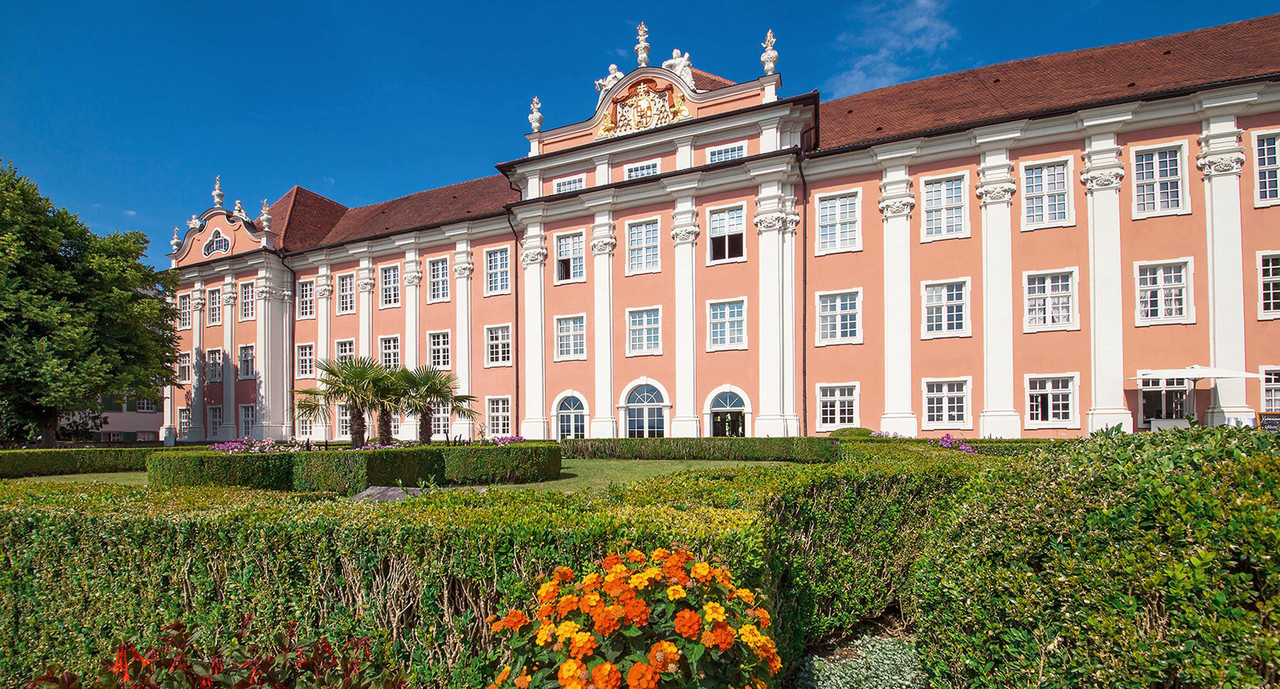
576,474
123,478
580,474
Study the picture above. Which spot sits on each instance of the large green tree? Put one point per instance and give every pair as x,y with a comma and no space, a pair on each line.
82,317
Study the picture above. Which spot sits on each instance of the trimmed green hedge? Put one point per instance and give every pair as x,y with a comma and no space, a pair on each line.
522,462
349,472
993,447
799,450
51,462
268,470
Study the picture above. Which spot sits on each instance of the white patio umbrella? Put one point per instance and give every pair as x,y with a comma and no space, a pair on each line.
1194,373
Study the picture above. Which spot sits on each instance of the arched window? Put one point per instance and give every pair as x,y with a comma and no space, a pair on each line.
571,417
728,415
644,413
217,244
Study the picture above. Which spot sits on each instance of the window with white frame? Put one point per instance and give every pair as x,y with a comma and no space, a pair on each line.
1045,192
946,404
215,417
1268,165
1163,291
499,416
346,294
838,318
946,309
184,421
1158,181
1163,398
146,406
644,331
306,299
390,286
1269,285
646,412
498,345
1050,301
568,184
248,417
944,206
438,349
1271,390
248,307
148,436
645,169
217,244
720,154
497,271
213,365
571,337
389,349
115,436
440,420
837,406
306,360
395,425
1051,401
571,419
344,350
184,367
838,223
213,306
570,261
248,365
727,324
728,234
184,312
438,280
344,421
303,427
642,247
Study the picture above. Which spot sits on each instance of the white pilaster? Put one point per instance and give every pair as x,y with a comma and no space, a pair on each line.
533,259
412,306
684,237
462,270
229,318
775,223
365,284
684,152
1102,174
896,204
602,246
999,417
602,169
197,431
324,340
1221,161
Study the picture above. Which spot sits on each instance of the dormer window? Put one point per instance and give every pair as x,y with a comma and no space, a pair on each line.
645,169
217,244
568,184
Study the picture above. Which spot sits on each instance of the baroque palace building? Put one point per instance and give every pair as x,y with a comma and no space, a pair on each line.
996,252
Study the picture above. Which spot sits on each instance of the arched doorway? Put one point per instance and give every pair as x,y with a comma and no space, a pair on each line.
728,416
645,413
571,419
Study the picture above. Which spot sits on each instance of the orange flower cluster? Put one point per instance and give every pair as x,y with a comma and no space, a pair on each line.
700,628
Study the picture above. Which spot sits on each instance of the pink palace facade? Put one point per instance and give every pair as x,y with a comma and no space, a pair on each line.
998,252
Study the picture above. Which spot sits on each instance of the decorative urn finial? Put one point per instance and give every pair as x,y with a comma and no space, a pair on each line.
175,243
642,45
769,58
217,191
535,117
264,220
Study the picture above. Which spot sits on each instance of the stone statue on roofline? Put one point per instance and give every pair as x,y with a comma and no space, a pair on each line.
642,45
681,65
603,85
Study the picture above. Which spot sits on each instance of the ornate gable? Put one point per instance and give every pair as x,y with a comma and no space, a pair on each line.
644,105
219,233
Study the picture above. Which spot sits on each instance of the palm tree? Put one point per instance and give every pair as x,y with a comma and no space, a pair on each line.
353,382
387,393
425,389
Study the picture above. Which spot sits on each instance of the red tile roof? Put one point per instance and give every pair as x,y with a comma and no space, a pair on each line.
309,221
1055,83
706,81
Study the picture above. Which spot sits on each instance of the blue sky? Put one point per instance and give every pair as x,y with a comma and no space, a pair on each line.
124,112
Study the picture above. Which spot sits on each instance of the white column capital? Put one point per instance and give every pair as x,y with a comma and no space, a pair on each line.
533,256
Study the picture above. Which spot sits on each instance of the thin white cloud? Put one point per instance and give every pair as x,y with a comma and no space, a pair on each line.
329,180
131,213
894,42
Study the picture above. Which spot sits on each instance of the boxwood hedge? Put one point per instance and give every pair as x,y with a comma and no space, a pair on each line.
349,472
53,462
799,450
267,470
522,462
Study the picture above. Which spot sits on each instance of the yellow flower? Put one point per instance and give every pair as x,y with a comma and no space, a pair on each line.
675,592
566,629
713,612
747,597
701,571
545,634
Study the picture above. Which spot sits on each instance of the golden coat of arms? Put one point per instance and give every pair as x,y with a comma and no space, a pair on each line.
644,106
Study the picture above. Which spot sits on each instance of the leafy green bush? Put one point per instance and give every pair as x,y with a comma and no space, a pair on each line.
521,462
50,462
268,470
349,472
871,662
1139,561
799,450
852,433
